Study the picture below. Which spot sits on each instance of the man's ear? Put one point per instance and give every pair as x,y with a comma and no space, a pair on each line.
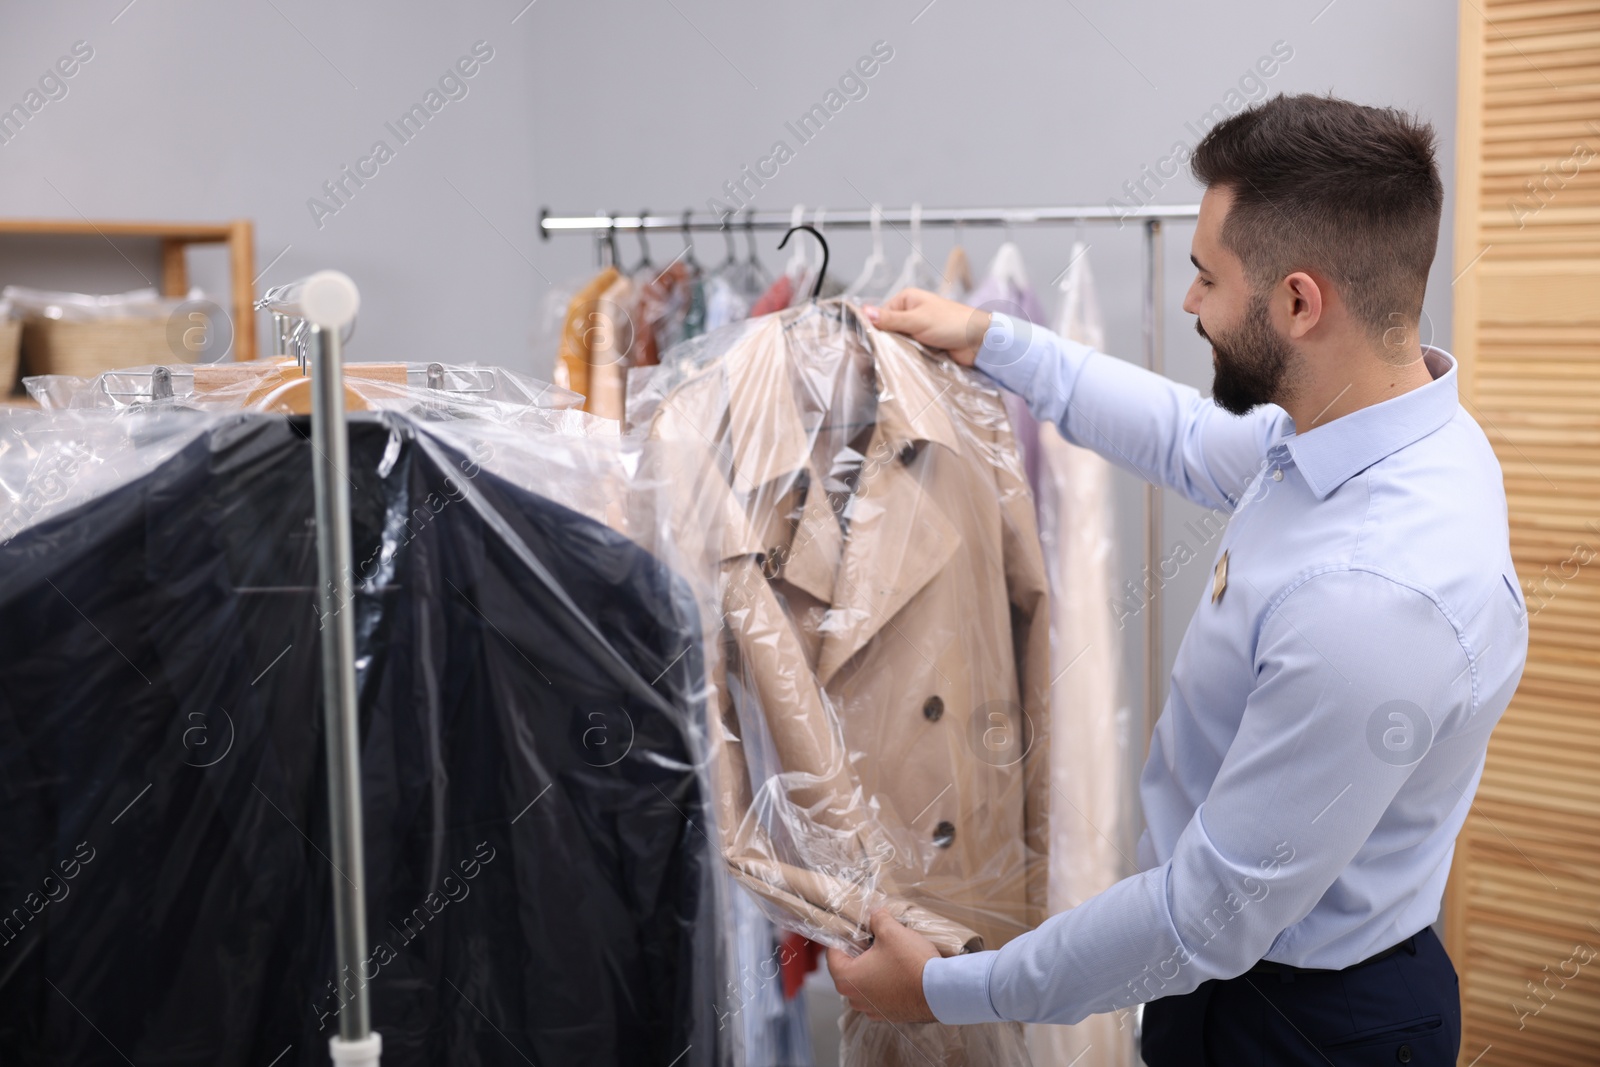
1305,303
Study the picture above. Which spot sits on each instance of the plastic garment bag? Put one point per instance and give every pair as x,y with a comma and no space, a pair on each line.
774,1030
84,307
669,306
731,289
439,390
1005,288
879,736
579,315
957,272
538,884
1092,836
737,284
773,1027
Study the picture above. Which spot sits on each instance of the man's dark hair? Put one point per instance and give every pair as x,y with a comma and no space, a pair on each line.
1323,185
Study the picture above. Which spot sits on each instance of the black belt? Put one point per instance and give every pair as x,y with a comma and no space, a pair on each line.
1409,946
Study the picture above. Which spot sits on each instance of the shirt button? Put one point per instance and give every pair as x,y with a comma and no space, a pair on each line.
944,835
933,708
1404,1054
1277,474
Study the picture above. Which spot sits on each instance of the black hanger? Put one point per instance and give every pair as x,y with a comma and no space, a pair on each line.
611,243
644,245
733,252
816,289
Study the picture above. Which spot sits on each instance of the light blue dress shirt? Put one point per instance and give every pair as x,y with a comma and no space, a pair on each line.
1329,712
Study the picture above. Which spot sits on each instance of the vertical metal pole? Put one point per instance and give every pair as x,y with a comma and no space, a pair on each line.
280,334
332,488
1154,307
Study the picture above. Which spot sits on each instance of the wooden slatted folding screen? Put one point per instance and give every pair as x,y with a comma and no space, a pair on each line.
1523,909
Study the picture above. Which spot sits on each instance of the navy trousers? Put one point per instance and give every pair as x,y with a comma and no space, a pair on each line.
1402,1009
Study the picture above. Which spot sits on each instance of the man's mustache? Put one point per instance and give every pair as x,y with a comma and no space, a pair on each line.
1201,330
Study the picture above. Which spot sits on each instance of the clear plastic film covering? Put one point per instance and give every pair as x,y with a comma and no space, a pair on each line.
1096,776
87,307
880,647
277,385
531,687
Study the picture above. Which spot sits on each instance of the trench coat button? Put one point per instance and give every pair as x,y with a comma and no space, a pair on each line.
1403,1054
933,708
771,562
944,835
908,452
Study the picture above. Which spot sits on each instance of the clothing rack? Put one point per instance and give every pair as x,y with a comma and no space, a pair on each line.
607,226
310,316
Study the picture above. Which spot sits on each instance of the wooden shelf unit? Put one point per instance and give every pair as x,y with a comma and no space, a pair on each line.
175,238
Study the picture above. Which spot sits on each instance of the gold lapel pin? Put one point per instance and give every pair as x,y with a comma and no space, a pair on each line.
1219,578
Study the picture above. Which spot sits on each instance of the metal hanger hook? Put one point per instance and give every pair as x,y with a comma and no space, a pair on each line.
816,289
644,245
688,241
727,236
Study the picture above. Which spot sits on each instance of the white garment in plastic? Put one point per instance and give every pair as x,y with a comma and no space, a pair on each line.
1094,778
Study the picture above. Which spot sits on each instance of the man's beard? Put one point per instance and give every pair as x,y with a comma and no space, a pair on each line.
1253,365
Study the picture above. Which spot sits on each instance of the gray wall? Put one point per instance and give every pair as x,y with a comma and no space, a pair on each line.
193,110
197,110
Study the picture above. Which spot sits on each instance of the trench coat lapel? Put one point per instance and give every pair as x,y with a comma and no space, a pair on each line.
899,537
818,543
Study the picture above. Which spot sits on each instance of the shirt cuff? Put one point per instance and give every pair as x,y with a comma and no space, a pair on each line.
957,988
1008,354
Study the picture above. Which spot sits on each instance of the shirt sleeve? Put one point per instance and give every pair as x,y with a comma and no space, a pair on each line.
1165,432
1357,676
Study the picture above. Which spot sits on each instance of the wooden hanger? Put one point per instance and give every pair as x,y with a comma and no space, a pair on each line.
279,385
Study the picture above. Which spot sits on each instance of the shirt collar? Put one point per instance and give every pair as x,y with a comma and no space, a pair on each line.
1332,454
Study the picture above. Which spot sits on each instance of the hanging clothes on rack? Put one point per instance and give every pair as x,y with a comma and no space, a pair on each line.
957,281
733,287
614,334
529,692
573,356
880,720
1092,834
876,276
665,302
1005,288
776,298
916,272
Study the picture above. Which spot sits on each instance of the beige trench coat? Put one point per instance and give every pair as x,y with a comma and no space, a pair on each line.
881,673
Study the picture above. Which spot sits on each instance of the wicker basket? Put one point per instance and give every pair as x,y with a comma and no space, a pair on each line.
84,349
10,335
